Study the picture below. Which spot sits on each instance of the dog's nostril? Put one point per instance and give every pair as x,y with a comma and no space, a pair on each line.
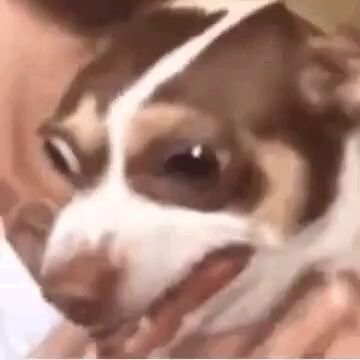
84,311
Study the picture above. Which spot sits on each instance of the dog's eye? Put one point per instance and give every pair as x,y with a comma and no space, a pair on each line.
62,157
197,162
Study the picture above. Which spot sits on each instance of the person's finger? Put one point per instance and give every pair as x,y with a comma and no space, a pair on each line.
228,346
347,345
64,341
162,324
318,316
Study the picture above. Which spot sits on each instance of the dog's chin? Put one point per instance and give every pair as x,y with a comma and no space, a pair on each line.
160,323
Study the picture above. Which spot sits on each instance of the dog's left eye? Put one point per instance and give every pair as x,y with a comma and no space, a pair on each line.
62,157
197,162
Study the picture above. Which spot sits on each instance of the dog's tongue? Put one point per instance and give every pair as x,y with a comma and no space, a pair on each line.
160,326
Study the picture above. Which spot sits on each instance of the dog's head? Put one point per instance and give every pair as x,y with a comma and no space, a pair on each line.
195,133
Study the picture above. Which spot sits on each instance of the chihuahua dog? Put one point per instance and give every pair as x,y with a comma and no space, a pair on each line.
224,131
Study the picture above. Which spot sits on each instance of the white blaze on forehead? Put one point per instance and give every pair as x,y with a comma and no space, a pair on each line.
126,106
211,6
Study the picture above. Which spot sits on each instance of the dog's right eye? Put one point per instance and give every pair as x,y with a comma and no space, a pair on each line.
192,163
62,156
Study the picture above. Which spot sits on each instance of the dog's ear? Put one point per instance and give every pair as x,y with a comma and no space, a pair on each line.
26,228
330,76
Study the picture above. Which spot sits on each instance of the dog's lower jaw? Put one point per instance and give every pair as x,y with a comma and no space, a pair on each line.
239,304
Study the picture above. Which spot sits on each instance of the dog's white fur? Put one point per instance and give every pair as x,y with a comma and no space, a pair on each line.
216,5
162,243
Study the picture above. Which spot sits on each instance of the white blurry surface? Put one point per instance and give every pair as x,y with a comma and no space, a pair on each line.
25,318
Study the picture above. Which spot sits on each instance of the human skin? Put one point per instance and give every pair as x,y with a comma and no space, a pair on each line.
38,60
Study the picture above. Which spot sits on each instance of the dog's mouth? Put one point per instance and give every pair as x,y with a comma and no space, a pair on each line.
161,323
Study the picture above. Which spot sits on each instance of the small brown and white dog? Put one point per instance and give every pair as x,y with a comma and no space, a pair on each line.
204,132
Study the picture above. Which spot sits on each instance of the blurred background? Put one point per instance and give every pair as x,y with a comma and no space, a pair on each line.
328,13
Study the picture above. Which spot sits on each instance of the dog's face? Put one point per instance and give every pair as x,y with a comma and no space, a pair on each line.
172,163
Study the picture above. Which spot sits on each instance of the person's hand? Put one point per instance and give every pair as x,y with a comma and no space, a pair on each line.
318,318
